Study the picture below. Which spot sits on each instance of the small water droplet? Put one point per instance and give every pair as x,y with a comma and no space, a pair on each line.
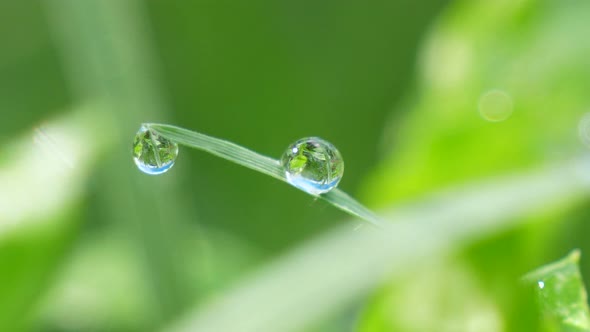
152,153
541,284
313,165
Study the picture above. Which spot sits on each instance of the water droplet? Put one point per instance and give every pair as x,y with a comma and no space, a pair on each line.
541,284
152,153
313,165
495,105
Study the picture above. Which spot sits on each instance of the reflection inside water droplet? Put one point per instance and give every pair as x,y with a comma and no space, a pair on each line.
541,284
152,153
313,165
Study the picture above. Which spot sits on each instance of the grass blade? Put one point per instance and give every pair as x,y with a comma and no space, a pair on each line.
253,160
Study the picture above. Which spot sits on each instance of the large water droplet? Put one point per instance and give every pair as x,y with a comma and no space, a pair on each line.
152,153
313,164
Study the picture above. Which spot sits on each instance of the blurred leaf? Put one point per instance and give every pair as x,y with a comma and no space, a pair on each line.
327,273
414,302
106,49
529,50
100,288
28,67
561,293
250,159
502,88
42,182
103,287
28,261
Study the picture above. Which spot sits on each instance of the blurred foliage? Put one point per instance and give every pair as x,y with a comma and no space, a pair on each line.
28,261
533,54
37,226
264,74
442,296
256,63
530,52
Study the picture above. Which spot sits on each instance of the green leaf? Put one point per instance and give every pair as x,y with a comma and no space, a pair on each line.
298,162
561,293
42,185
253,160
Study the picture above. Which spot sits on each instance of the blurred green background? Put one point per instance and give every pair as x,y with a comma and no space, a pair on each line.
398,86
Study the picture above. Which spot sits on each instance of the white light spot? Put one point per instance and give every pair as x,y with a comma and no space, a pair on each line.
295,150
495,105
541,284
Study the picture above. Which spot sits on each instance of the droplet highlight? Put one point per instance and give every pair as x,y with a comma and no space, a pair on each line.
313,165
152,153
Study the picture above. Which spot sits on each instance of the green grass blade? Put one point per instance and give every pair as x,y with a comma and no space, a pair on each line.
253,160
561,293
221,148
344,202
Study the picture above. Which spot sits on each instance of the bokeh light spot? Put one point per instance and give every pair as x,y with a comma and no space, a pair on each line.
495,105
